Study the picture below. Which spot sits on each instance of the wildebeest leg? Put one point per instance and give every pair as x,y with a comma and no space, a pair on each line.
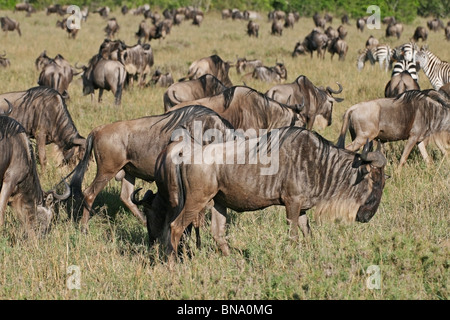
357,143
304,224
100,93
40,142
6,191
423,152
218,221
125,194
292,214
408,147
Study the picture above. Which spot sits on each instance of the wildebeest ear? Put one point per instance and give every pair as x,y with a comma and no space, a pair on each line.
361,174
338,99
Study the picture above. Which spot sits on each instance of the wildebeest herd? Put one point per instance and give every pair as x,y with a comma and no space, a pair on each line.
340,182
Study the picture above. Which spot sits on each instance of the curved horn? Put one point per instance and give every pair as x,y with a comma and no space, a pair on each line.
335,92
9,110
133,197
376,158
82,67
63,196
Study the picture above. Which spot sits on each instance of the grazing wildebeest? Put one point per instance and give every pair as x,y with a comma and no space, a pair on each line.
412,116
137,59
314,41
420,33
103,11
205,86
277,28
210,65
319,22
289,20
9,24
435,25
28,8
253,29
318,101
246,108
360,24
277,73
400,83
342,32
57,73
331,33
160,79
4,62
19,180
198,19
339,47
372,42
226,13
394,29
310,172
112,27
44,115
123,150
242,64
149,32
103,74
71,30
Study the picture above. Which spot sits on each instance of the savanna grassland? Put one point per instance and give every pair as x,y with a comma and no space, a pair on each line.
408,238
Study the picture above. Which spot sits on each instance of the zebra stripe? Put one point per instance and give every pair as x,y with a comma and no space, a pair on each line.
437,71
403,65
381,53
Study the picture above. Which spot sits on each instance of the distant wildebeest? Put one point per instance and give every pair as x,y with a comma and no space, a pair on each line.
331,33
318,102
72,29
411,116
9,24
242,65
400,83
205,86
360,24
420,33
394,30
124,9
44,115
56,8
160,79
198,19
342,32
289,20
339,47
226,13
314,41
137,59
19,181
319,22
277,73
277,28
103,11
447,32
112,27
253,29
4,62
246,108
149,32
28,8
124,151
103,74
57,73
435,25
436,70
312,172
210,65
372,42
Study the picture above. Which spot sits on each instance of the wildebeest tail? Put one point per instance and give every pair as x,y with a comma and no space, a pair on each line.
345,124
120,82
80,170
167,101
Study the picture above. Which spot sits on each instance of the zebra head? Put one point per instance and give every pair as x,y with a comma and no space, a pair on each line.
422,57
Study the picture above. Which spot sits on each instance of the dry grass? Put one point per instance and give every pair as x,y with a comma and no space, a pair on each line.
408,238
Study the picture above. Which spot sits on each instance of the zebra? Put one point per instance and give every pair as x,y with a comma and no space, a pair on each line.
437,71
381,53
408,51
403,65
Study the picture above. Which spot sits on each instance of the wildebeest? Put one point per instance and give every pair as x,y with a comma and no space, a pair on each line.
246,108
314,41
339,47
103,11
4,62
342,32
394,30
112,27
198,19
56,73
317,100
372,42
277,28
420,33
160,79
253,29
319,22
412,116
331,33
242,64
19,181
72,29
289,20
341,185
137,59
400,83
360,24
123,150
447,32
28,8
9,24
277,73
103,74
205,86
149,32
435,25
44,115
210,65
